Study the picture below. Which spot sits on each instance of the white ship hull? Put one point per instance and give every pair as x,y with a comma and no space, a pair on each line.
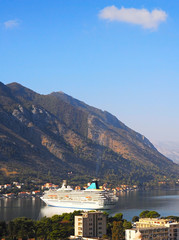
77,205
90,199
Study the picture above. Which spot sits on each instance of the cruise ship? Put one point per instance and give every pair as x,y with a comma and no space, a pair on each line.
93,198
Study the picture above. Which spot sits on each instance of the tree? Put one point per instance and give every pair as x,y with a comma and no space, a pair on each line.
149,214
106,213
57,218
176,218
143,214
44,228
11,231
55,234
105,236
117,231
153,214
118,217
135,219
3,229
127,225
23,228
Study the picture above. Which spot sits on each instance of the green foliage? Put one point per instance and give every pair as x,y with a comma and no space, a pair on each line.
149,214
118,217
21,228
106,213
3,229
105,236
176,218
116,225
153,214
135,219
143,214
44,228
118,231
61,229
11,230
56,227
62,226
127,225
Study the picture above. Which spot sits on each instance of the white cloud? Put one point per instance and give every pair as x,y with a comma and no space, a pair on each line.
142,17
11,24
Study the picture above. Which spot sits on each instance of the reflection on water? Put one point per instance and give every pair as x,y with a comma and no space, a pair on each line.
167,197
50,211
130,204
13,208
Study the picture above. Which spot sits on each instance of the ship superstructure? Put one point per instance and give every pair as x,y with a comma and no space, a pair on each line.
89,199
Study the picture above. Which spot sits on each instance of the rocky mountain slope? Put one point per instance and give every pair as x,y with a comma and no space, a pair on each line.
50,136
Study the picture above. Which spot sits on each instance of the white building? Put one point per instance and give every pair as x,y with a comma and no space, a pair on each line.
155,233
154,228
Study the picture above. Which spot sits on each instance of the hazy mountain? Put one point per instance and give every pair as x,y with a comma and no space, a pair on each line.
169,149
49,136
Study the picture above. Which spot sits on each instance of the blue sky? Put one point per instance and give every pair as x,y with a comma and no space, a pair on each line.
119,56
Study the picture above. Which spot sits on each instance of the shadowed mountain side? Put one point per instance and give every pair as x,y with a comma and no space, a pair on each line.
48,136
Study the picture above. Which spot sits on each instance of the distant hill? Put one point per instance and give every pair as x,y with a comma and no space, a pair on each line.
50,136
169,148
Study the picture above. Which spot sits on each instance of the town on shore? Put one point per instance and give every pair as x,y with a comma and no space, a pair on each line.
21,190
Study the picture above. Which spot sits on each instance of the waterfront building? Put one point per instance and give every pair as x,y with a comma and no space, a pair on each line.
49,186
173,227
90,224
173,231
15,183
7,186
150,222
24,194
154,228
36,193
155,233
9,195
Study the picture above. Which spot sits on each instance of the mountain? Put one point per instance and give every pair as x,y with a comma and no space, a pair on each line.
168,148
55,136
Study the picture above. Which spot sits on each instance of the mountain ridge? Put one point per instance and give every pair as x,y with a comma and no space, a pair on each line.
107,116
59,134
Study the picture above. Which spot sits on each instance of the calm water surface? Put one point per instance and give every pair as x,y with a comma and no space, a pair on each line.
130,204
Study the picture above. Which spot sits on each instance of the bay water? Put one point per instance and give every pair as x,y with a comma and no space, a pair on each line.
166,202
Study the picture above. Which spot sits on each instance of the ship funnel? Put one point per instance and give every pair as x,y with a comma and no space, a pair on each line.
94,184
64,183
